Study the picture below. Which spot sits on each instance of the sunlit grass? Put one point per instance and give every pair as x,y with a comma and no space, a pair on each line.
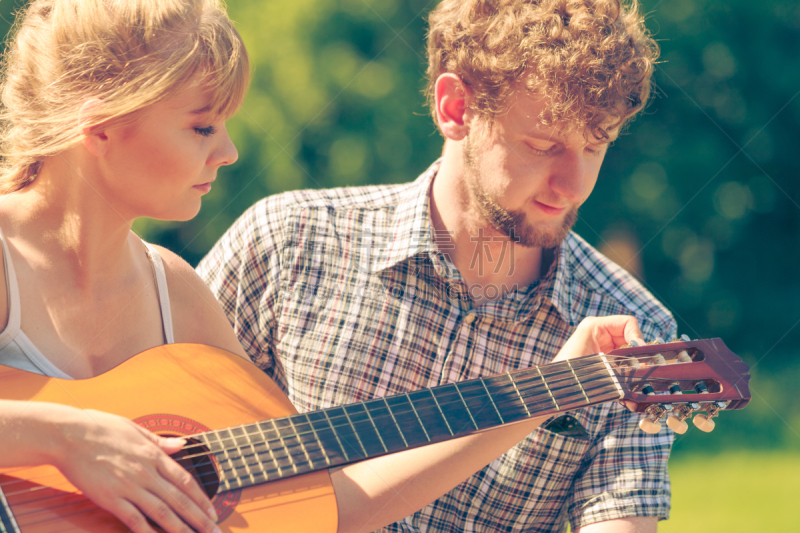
734,492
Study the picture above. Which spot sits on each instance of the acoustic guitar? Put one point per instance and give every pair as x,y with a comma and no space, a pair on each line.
266,466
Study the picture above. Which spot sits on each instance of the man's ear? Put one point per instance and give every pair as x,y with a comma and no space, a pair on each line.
94,137
453,100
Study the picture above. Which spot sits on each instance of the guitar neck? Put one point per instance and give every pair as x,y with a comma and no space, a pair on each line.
279,448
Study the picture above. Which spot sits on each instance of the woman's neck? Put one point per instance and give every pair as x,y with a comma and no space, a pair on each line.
62,220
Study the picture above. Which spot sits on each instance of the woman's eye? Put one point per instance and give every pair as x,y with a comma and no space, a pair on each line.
205,132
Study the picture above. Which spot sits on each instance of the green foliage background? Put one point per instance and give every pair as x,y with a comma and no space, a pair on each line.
703,185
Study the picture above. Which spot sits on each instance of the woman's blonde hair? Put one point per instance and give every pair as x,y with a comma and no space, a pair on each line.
592,59
126,53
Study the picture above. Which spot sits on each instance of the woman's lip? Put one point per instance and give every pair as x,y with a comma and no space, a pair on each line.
203,187
550,210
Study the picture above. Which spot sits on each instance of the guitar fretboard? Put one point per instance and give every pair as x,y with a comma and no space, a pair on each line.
275,449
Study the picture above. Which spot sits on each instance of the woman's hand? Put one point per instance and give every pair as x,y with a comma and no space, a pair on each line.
600,334
127,471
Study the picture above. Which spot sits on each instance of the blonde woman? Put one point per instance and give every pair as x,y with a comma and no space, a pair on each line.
113,110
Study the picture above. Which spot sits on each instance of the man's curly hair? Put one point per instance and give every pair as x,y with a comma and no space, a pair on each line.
591,59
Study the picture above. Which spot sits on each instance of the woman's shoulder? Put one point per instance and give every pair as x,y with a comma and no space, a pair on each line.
197,317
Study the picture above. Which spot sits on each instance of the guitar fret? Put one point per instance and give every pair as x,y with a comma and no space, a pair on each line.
483,382
225,479
355,432
399,430
548,388
336,434
446,423
270,450
265,442
302,445
455,385
578,381
519,394
286,447
378,433
319,441
247,464
613,375
411,403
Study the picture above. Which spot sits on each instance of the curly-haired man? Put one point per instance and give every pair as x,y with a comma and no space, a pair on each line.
471,270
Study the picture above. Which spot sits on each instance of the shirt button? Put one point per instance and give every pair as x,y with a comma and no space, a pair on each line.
470,318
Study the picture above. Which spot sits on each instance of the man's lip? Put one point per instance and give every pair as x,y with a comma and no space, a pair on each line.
204,186
549,209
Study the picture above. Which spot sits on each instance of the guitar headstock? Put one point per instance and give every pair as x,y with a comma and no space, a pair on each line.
674,379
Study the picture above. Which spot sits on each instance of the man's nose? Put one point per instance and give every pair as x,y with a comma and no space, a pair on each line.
568,177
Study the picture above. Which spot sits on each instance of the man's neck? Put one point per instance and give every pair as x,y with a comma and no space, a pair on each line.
490,263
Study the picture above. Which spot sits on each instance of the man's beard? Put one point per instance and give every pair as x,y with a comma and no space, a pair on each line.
513,223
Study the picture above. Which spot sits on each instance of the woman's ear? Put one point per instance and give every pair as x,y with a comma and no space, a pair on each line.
453,100
94,137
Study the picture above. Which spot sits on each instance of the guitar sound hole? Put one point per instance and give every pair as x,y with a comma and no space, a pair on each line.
199,462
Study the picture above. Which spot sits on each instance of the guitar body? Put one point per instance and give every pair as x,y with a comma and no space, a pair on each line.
178,389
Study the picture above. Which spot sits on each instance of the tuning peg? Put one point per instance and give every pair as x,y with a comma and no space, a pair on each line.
677,417
685,338
659,340
649,425
704,423
677,425
651,422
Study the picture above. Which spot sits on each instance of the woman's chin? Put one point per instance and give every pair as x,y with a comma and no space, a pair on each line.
181,214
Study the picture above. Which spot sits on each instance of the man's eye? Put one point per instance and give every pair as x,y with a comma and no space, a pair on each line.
537,151
205,132
594,150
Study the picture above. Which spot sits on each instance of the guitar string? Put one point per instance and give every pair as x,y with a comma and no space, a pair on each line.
333,419
24,517
287,464
567,373
523,374
247,456
432,408
300,442
516,401
283,437
295,464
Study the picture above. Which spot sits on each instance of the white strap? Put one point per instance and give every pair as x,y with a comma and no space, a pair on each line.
12,288
163,292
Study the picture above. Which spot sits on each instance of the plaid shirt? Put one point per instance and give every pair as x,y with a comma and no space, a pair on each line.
342,295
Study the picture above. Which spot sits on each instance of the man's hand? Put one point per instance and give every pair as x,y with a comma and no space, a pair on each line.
600,334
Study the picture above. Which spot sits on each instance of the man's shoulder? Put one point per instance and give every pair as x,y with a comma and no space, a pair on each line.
363,198
604,277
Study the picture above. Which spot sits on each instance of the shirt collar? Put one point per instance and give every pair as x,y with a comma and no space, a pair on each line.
558,286
409,235
409,232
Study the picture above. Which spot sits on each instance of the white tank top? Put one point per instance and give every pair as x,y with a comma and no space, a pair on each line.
17,350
